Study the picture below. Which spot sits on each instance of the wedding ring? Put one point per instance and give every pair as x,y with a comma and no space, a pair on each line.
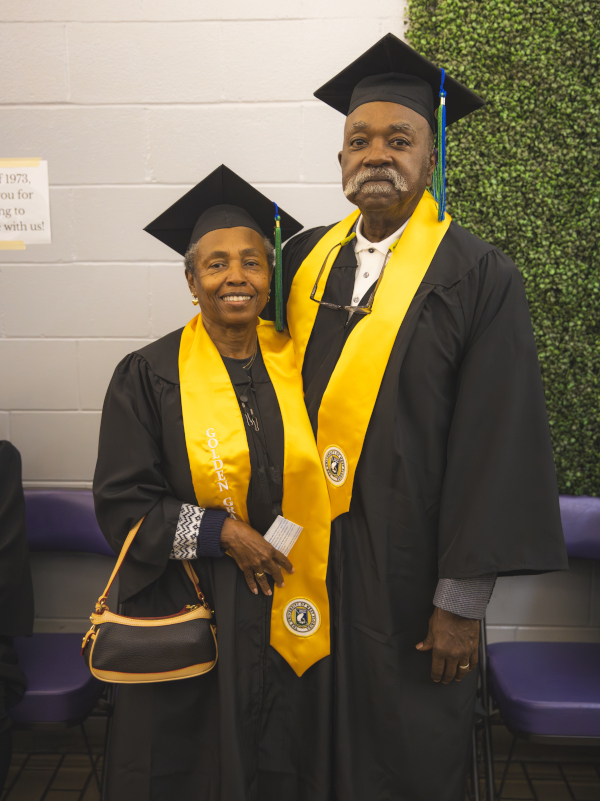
464,667
259,575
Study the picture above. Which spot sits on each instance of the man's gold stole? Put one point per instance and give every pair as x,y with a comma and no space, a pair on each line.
352,390
217,448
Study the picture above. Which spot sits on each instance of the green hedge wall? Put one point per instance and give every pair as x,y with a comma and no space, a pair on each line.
524,174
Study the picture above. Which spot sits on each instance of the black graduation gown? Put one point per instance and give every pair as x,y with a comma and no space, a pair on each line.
16,593
248,729
456,479
16,590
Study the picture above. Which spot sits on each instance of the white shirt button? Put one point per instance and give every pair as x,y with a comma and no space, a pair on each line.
355,300
365,275
371,250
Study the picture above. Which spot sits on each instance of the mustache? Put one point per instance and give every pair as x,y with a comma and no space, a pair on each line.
355,182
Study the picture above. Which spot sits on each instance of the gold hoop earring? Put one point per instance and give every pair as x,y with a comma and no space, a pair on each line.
195,300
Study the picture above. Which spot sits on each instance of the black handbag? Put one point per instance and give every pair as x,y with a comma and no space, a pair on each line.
136,650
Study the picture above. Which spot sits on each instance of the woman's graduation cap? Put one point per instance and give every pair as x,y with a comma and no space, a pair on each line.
224,200
393,72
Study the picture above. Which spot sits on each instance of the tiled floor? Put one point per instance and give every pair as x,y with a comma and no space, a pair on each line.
547,781
546,773
54,766
52,777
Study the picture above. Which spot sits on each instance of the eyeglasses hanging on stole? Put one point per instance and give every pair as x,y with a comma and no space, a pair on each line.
352,309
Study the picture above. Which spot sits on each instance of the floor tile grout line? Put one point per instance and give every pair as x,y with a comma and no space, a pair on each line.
548,779
81,795
54,775
9,789
566,781
529,782
533,760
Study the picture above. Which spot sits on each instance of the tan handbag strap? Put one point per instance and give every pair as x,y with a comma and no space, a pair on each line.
195,581
101,604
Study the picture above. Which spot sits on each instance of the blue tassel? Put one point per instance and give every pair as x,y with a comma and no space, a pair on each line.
278,273
439,174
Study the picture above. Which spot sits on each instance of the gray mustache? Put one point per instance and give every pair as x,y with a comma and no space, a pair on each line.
356,182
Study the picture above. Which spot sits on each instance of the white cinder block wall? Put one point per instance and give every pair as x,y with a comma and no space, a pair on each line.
132,102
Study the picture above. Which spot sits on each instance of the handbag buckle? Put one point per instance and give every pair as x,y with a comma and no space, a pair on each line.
88,635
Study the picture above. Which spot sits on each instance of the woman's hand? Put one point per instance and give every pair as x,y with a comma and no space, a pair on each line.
253,555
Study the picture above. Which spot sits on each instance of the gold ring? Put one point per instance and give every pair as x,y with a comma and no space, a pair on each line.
464,667
259,575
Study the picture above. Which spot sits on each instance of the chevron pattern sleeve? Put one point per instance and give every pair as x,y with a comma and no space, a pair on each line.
185,544
198,533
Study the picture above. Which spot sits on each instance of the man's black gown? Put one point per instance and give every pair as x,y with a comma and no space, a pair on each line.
456,479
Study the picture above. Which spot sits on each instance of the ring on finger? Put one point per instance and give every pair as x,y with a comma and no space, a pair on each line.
259,575
464,667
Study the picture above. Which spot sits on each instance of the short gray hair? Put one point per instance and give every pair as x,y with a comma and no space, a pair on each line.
192,252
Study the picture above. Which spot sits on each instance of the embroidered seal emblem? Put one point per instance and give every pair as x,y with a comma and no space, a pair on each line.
335,464
301,617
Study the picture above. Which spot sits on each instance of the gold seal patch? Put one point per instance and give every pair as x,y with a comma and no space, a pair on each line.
301,617
335,464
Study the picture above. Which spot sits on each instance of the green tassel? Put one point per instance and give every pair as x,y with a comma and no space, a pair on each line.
278,276
439,174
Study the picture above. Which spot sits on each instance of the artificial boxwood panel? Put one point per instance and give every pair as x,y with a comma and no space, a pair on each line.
524,174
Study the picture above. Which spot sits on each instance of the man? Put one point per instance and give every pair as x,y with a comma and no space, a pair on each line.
423,386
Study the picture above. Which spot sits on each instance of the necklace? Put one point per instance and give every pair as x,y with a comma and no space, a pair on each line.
252,358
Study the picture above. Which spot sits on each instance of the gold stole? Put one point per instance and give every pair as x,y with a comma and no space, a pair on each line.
352,390
217,448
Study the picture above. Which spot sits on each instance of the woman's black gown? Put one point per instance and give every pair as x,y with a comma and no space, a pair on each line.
249,729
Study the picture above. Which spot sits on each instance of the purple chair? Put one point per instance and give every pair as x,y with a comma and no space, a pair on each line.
549,692
61,691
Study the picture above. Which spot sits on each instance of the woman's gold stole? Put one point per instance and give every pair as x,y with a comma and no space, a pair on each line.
352,390
219,458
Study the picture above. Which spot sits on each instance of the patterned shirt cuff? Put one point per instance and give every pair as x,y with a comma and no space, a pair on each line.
185,544
465,597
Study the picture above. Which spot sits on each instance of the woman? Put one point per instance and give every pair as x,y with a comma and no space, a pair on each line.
205,433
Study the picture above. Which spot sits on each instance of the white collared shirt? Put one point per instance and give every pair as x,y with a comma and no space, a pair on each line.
371,258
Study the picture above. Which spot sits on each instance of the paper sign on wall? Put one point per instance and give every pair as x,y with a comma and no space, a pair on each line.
24,203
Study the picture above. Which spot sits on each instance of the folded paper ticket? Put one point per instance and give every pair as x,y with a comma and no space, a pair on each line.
283,534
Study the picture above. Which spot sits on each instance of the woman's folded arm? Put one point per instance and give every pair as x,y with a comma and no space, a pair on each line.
198,533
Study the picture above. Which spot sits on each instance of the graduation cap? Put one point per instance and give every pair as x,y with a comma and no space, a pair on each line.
224,200
393,72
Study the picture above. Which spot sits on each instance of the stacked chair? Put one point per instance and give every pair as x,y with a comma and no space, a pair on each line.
548,692
61,691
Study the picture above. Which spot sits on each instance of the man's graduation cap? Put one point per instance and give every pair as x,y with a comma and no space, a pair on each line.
393,72
224,200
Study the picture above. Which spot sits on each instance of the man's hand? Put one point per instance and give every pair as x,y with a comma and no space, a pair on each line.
455,641
254,555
